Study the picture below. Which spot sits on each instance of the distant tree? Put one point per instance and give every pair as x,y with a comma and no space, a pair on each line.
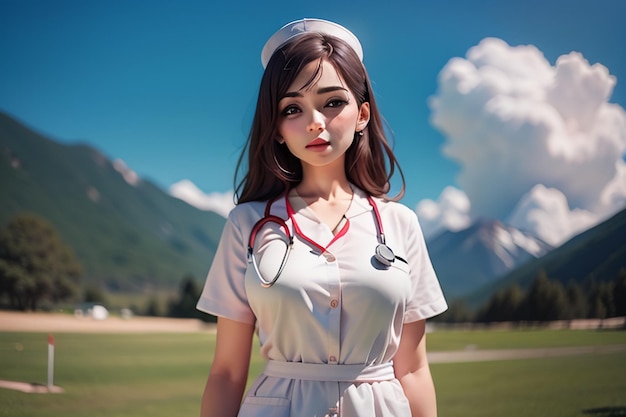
94,294
184,306
578,304
619,293
458,312
503,306
35,264
545,300
601,300
154,308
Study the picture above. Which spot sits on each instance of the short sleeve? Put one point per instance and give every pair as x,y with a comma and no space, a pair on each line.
224,292
426,299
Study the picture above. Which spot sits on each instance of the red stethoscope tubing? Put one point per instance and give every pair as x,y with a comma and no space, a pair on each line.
267,218
383,253
310,241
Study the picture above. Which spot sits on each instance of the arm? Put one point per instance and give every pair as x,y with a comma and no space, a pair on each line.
411,367
229,371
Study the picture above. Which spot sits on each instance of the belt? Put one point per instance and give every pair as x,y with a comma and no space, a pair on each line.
325,372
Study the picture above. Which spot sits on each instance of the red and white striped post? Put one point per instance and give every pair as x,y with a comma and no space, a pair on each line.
50,362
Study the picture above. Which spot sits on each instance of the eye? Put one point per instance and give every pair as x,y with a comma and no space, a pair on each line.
336,102
290,110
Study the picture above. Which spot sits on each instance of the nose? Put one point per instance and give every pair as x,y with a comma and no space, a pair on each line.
317,122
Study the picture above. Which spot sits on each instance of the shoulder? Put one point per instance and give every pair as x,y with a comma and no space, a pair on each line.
250,212
246,213
398,217
245,209
395,209
389,210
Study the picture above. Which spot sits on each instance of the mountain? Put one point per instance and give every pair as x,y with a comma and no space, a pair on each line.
128,234
480,254
598,253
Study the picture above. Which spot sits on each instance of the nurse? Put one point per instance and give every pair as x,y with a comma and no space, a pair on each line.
330,272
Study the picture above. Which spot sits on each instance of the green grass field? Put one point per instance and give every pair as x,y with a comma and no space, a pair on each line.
153,375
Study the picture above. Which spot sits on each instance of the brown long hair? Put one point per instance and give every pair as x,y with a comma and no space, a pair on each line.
272,169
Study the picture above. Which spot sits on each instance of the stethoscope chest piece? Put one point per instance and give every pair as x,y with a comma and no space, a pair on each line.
384,254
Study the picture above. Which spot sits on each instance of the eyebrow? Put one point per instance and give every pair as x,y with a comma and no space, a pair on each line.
322,90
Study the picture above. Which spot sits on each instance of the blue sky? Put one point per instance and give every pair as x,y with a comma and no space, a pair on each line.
170,86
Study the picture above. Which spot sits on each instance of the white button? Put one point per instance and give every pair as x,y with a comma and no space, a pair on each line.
334,303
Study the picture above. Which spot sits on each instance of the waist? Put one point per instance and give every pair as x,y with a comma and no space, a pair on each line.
325,372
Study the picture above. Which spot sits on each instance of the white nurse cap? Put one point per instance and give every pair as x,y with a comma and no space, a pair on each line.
299,27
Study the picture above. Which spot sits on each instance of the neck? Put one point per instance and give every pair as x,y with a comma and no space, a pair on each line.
323,184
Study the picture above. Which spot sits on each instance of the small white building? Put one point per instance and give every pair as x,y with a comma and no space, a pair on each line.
91,310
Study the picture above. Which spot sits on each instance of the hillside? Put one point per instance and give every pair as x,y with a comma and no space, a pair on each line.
127,233
598,253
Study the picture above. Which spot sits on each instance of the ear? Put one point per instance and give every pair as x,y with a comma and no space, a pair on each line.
364,117
280,139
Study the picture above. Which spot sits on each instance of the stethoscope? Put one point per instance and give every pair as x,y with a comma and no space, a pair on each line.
382,253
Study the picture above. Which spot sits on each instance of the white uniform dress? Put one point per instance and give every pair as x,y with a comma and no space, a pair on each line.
330,325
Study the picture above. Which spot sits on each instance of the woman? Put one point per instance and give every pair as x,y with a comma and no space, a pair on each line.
303,260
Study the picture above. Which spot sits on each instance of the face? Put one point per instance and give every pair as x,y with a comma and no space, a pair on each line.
318,122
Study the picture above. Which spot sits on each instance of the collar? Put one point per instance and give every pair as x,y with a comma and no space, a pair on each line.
358,206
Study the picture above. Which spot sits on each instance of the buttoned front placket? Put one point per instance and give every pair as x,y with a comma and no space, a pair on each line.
334,305
334,320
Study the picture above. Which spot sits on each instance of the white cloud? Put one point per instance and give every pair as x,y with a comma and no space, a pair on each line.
512,121
614,194
449,212
545,213
220,203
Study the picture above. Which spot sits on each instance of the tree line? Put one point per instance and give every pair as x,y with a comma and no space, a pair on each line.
547,299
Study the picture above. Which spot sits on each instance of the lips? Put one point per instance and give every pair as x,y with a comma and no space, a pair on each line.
319,142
